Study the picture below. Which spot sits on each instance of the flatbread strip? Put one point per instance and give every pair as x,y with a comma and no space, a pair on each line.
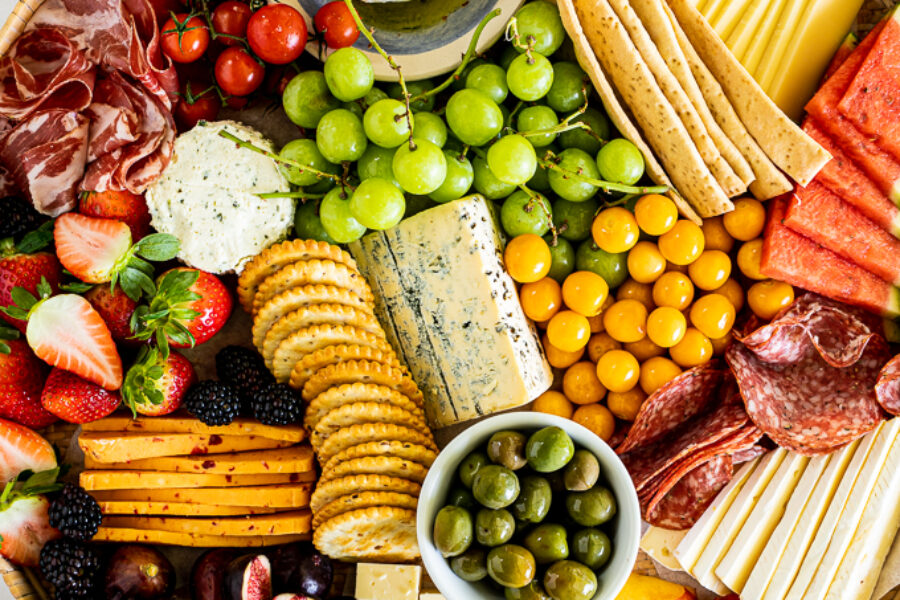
653,113
614,109
783,141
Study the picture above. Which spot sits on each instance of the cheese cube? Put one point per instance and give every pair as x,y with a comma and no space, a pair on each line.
430,596
659,544
387,582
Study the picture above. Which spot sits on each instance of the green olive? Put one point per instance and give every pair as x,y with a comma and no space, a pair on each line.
495,486
507,448
570,580
471,565
534,500
549,449
462,497
591,547
582,472
470,465
453,531
511,566
532,591
494,527
591,508
548,543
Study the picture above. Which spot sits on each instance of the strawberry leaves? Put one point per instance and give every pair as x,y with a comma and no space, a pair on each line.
134,274
7,333
28,484
25,302
141,382
163,319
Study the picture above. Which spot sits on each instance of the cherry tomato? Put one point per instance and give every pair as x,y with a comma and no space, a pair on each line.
336,25
238,73
230,18
199,102
277,33
184,39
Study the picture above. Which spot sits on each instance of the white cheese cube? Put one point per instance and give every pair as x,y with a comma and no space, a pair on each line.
387,582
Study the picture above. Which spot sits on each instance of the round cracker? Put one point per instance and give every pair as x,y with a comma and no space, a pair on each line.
349,393
328,491
371,432
277,256
414,452
379,533
317,314
326,272
362,371
364,412
298,297
377,465
311,363
309,339
363,500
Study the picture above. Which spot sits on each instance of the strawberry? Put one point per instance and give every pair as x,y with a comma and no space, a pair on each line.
75,399
19,268
155,386
123,206
116,308
24,518
189,307
22,377
22,449
100,250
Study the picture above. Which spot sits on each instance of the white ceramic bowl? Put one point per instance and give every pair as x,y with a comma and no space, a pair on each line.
626,525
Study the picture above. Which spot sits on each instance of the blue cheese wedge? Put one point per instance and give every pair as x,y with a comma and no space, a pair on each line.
452,312
207,198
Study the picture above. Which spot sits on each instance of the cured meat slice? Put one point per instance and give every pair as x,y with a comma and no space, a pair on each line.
688,499
887,390
742,456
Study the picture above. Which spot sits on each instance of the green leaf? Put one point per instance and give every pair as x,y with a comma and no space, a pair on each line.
141,265
76,287
134,283
163,343
158,247
15,312
180,334
43,288
178,281
4,348
23,298
38,239
8,333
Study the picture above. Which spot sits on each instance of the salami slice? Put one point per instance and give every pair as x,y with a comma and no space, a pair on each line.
887,390
688,499
742,456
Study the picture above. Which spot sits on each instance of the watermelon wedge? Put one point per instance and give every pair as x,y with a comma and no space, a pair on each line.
845,179
875,162
791,257
871,100
823,217
840,55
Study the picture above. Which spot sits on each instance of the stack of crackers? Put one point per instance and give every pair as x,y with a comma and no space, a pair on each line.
314,324
173,480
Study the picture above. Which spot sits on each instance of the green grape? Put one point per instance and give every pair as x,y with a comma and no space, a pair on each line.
308,225
573,220
460,175
414,88
574,160
420,171
376,162
523,213
562,257
460,82
416,204
487,184
321,187
579,138
566,94
385,123
541,21
349,74
506,58
530,79
377,203
489,79
540,181
307,153
512,159
537,118
340,136
337,220
431,127
359,107
473,117
306,99
611,267
620,161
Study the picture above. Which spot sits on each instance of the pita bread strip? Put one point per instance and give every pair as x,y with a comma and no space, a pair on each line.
770,181
675,94
653,113
787,145
614,109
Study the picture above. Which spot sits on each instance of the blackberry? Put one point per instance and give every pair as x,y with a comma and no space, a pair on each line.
75,513
72,567
277,404
213,402
19,217
244,369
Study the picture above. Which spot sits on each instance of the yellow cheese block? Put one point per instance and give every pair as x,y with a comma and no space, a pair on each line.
191,540
180,509
286,523
781,39
763,35
746,30
729,17
136,480
116,448
266,496
295,459
659,544
184,423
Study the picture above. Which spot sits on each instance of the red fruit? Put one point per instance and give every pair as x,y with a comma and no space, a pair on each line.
230,18
277,33
91,248
123,206
184,38
238,73
336,25
198,103
22,377
75,399
21,449
154,396
25,528
25,271
116,308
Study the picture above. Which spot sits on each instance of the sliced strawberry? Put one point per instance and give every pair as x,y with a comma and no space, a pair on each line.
115,307
20,269
24,529
75,399
123,206
22,377
156,387
21,449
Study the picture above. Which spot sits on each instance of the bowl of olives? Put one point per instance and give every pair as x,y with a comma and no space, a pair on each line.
528,506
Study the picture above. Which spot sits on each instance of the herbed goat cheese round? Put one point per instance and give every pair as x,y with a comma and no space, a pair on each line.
207,198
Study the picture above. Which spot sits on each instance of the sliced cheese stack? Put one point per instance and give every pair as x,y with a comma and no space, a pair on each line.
173,480
792,527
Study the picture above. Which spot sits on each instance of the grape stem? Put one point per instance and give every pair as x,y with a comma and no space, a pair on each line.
535,199
280,159
607,186
297,194
512,35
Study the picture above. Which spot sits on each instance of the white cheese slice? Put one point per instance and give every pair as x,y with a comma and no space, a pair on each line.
890,572
731,523
735,566
659,544
837,528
